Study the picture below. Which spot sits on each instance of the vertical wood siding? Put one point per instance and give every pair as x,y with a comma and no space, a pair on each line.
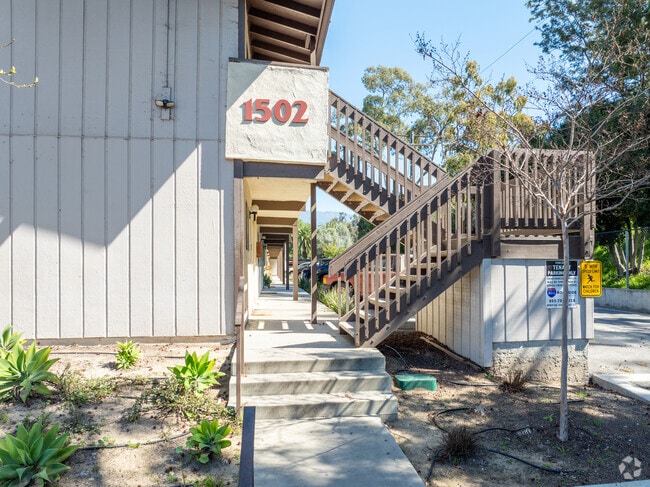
113,221
499,301
454,318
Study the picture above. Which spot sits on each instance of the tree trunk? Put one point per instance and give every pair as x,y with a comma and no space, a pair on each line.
618,261
563,432
639,250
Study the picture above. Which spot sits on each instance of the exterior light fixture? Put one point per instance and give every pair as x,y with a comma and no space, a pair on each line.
253,212
164,103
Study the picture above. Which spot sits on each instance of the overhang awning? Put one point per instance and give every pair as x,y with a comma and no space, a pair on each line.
290,31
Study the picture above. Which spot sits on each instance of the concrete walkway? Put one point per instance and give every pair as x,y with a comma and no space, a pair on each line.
619,355
323,452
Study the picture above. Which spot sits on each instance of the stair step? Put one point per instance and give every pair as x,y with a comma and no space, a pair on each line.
347,327
298,406
314,382
278,361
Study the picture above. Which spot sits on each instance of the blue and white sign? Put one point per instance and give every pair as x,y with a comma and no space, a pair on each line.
554,288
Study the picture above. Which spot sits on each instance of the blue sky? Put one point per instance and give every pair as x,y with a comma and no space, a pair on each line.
365,33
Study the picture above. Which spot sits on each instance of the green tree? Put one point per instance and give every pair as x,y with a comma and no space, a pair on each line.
598,159
441,118
392,97
606,44
334,237
362,226
304,240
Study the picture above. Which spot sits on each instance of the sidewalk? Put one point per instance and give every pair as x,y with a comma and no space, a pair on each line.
323,452
619,354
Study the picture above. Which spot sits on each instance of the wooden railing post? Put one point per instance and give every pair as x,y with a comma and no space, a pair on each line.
314,277
492,206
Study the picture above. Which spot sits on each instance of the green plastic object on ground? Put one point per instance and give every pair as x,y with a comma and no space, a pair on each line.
408,382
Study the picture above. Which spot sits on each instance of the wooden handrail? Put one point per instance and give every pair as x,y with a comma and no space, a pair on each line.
354,252
423,246
375,158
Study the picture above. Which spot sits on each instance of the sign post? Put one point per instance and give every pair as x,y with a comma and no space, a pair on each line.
554,291
591,279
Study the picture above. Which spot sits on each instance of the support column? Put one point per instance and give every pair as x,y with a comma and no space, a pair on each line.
285,260
314,278
295,261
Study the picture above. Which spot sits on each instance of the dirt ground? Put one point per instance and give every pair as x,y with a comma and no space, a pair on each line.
118,448
515,432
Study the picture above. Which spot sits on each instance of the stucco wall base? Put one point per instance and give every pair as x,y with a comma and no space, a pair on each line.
541,360
628,299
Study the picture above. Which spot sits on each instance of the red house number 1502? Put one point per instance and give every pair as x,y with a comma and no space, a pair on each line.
283,111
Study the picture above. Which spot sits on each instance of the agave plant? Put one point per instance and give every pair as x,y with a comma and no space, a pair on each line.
33,456
24,372
196,374
207,438
9,340
127,354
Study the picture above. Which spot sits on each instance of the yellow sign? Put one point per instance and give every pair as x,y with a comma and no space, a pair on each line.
591,279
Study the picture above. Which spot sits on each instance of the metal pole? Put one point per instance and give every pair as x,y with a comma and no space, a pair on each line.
627,259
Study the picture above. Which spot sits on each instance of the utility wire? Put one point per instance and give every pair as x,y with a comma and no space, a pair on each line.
510,49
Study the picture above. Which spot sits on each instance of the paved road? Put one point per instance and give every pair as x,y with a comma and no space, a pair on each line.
621,344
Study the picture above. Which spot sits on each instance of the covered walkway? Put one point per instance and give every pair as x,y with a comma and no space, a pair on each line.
329,449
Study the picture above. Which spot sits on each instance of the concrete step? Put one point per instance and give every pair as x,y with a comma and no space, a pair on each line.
298,406
278,361
348,326
314,382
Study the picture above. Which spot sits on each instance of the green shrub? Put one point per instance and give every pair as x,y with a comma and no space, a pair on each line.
304,284
23,373
196,375
267,280
10,340
127,355
330,299
168,396
33,457
207,438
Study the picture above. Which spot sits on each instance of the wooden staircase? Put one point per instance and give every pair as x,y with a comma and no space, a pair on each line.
411,258
389,183
432,229
371,170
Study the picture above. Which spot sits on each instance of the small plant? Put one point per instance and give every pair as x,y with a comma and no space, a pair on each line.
196,375
582,394
105,442
76,390
127,355
43,418
562,449
10,340
267,280
515,381
33,457
458,443
207,438
550,417
23,373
